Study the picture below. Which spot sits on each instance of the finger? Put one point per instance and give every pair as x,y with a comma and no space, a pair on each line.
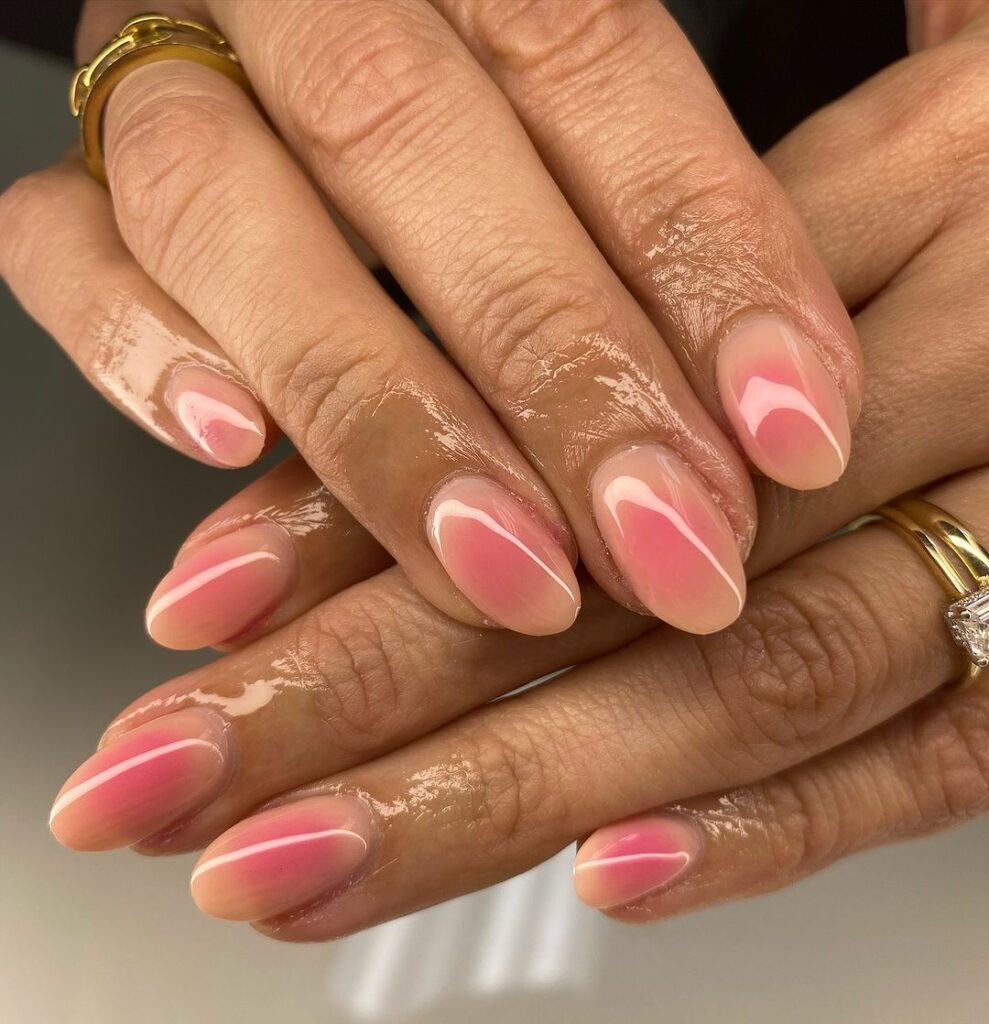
270,553
417,148
63,258
828,648
925,771
932,22
625,115
217,211
904,155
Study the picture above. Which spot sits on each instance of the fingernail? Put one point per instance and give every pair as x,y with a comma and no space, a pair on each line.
223,588
624,862
669,539
784,405
283,858
221,417
502,558
143,782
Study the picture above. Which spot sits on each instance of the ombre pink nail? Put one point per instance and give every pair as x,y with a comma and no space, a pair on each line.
148,779
501,557
669,539
784,405
281,859
222,418
221,589
622,863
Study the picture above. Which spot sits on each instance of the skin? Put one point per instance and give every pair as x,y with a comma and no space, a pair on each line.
792,717
581,281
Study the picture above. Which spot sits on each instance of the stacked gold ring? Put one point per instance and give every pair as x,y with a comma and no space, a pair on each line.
142,40
961,564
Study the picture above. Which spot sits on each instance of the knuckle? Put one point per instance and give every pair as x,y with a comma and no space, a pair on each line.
326,393
796,667
518,803
689,233
801,824
525,325
166,165
553,39
357,695
949,757
371,86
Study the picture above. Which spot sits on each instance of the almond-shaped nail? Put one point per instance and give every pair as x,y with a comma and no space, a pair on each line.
785,407
281,859
222,418
502,558
670,540
223,588
149,778
622,863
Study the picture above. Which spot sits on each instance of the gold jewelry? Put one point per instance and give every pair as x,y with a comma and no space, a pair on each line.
961,563
142,40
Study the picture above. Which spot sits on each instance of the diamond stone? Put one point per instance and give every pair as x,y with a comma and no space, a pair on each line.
968,620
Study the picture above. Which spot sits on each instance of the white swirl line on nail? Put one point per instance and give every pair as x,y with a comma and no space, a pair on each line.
193,584
763,397
459,509
638,492
638,858
118,769
189,406
272,844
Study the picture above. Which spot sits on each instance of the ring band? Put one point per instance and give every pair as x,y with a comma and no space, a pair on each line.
961,563
142,40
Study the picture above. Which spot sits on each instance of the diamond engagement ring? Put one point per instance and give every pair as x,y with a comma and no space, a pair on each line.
961,563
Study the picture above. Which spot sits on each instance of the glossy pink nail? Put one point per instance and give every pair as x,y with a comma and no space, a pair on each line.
671,542
624,862
283,858
784,405
502,558
223,588
221,417
143,782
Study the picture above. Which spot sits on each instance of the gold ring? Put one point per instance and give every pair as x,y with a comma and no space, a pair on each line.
142,40
961,563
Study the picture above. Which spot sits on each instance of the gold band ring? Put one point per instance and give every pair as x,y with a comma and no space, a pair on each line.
961,564
142,40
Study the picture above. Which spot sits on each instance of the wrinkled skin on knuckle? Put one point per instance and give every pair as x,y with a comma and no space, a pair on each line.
366,86
554,40
169,162
798,665
517,803
947,755
702,242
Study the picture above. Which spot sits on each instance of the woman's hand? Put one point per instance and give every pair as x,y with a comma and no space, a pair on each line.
810,703
619,280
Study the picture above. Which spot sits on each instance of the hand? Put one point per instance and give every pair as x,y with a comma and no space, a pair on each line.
363,725
417,123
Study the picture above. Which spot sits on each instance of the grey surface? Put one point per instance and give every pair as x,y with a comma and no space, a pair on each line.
91,513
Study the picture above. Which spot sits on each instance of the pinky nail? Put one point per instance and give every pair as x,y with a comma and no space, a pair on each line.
222,418
281,859
784,405
502,558
223,588
147,779
622,863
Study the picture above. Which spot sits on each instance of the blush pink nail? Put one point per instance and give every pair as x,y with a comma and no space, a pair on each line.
222,418
281,859
785,407
669,539
223,588
622,863
502,558
148,779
